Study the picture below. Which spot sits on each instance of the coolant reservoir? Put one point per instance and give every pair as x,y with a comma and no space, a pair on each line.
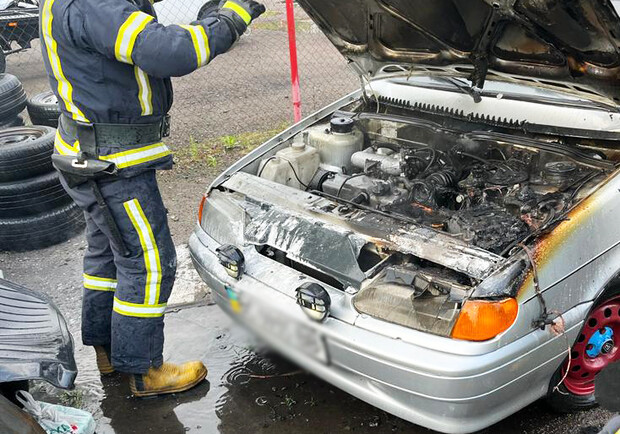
291,165
336,144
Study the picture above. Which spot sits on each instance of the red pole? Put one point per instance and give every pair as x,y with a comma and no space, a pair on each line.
292,45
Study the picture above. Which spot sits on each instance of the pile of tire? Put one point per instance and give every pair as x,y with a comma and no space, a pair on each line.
35,210
43,109
12,101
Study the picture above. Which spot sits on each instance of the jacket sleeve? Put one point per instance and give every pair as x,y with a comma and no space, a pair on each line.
118,29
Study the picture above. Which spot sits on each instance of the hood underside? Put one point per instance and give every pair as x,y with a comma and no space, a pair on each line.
571,45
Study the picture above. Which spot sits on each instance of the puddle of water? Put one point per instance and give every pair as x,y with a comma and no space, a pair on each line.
248,390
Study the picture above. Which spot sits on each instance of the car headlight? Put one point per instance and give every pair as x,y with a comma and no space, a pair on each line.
398,304
432,303
222,218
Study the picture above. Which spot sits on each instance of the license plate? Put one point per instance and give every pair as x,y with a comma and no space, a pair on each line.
283,327
233,299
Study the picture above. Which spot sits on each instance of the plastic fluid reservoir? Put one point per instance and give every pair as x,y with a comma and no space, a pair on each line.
338,143
289,164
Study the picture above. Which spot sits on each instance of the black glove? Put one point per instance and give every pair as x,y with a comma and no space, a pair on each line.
240,13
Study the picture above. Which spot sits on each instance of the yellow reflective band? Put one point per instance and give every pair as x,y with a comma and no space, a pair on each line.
138,310
144,92
63,148
137,156
239,10
201,44
64,87
99,283
149,249
127,35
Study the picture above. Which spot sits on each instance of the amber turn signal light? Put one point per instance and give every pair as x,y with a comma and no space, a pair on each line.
481,320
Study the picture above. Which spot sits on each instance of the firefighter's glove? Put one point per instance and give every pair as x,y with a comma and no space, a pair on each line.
240,13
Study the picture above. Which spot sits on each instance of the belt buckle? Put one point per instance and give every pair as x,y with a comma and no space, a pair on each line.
87,136
165,126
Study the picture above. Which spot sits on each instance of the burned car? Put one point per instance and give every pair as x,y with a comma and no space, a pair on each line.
444,242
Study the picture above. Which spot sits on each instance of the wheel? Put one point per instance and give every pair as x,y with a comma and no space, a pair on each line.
209,7
597,346
12,96
25,152
41,230
32,196
17,121
43,109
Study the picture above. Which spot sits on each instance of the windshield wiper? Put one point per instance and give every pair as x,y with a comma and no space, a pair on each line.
475,93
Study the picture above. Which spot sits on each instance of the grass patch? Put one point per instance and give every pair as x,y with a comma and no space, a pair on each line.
223,150
270,14
302,26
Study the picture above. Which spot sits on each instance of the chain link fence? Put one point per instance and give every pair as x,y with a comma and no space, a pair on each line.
246,90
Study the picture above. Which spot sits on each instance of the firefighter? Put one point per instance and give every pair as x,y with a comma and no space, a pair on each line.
109,63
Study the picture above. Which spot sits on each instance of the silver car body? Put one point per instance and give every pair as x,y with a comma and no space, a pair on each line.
446,384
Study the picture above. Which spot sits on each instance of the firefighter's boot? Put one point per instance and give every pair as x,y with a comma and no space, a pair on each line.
168,378
103,360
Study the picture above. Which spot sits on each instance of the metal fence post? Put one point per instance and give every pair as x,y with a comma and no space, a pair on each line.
292,44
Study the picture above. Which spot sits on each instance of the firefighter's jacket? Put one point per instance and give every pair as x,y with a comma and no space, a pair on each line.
110,61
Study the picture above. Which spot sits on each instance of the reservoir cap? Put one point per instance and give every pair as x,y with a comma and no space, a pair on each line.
342,125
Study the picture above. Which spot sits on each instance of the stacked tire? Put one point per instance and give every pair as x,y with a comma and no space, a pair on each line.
12,101
43,109
35,210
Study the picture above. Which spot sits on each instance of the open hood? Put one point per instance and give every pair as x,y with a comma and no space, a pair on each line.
567,45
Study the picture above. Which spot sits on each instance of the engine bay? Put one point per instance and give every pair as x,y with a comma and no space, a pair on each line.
489,189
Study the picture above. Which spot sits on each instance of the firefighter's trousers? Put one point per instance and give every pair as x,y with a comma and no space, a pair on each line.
125,293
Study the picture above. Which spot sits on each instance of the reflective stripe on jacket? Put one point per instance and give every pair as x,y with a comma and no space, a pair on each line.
110,61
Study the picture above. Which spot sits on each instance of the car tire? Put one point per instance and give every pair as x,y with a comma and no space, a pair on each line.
563,401
208,8
41,230
43,109
577,391
25,152
12,96
32,196
17,121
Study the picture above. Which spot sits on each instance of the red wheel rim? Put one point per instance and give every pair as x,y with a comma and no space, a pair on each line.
583,367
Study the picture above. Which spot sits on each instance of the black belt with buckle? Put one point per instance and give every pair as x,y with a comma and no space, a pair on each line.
95,135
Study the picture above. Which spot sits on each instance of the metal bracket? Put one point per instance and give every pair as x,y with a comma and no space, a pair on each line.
79,165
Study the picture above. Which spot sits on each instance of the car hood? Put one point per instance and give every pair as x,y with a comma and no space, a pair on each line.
568,45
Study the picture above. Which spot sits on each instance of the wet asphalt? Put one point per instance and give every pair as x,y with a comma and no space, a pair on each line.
249,389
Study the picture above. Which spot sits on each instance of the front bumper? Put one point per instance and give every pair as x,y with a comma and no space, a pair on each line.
424,384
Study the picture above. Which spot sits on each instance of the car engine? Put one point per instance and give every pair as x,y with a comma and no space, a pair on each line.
489,190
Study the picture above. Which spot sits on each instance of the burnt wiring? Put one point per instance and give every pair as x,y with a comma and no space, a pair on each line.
374,94
558,325
344,183
560,328
270,159
496,163
543,320
558,217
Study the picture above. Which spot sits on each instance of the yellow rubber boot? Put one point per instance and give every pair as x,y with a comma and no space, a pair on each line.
103,360
168,378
